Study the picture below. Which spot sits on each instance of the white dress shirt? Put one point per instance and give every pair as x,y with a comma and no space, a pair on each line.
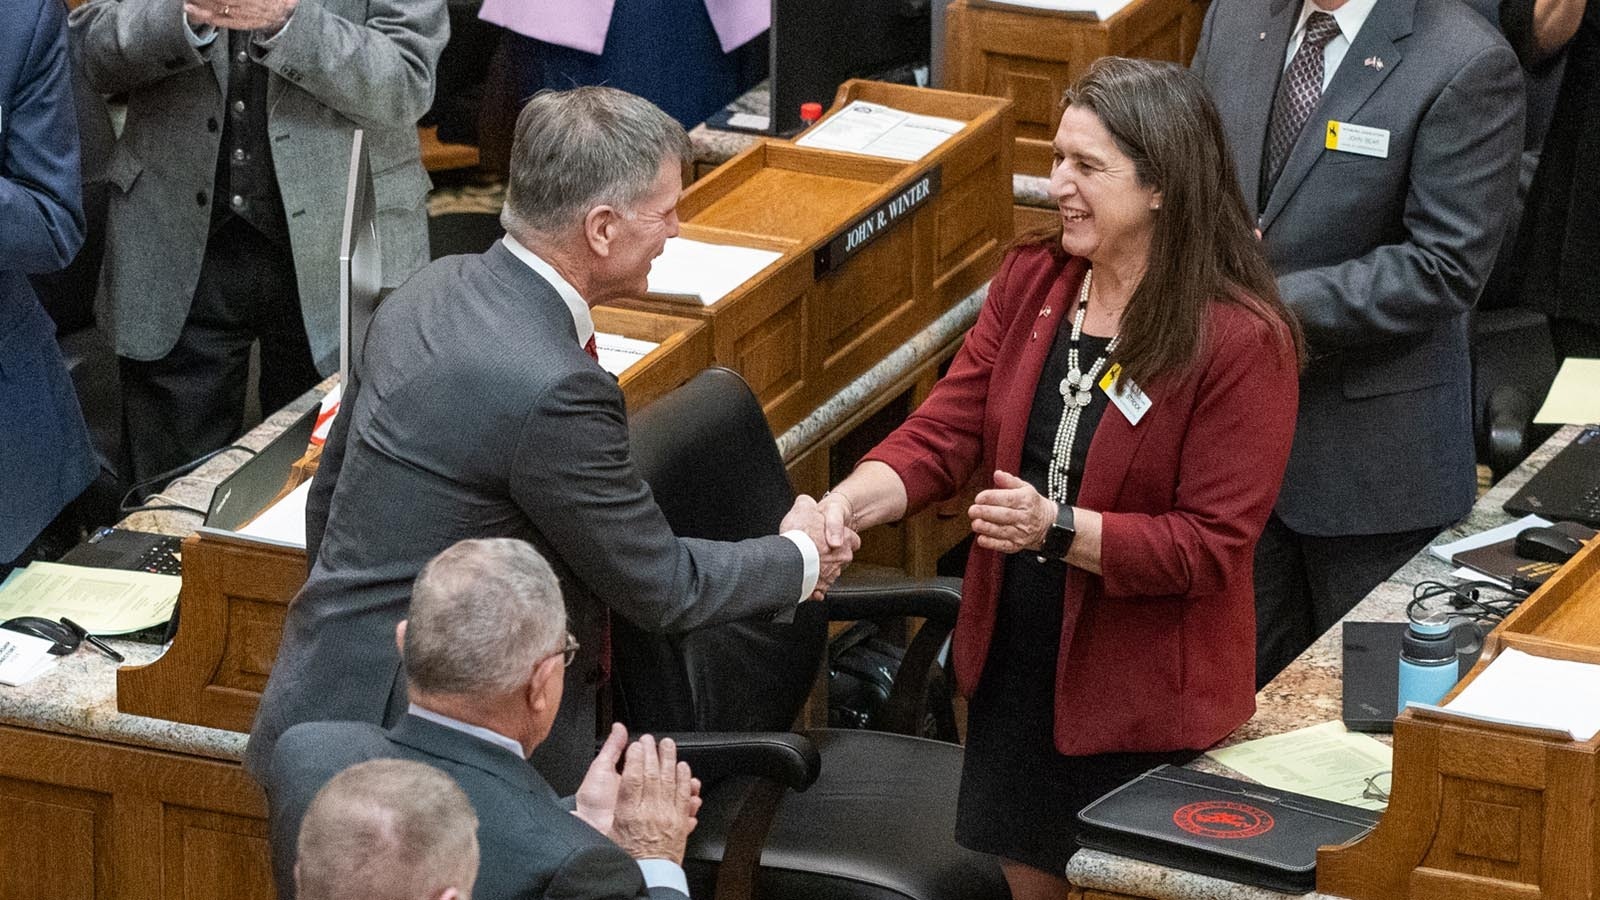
1349,18
656,872
583,322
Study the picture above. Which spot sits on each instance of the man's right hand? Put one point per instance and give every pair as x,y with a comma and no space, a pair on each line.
658,802
835,547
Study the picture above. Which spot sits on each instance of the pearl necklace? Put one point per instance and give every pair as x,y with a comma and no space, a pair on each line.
1076,389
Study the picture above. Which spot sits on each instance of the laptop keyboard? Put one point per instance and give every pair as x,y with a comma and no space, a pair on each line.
162,559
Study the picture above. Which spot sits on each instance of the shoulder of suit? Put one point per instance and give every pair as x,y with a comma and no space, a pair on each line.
1028,268
1453,29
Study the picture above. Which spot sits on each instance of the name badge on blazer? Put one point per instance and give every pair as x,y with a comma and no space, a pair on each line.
1349,138
1125,395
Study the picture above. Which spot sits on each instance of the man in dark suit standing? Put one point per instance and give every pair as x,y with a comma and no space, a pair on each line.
45,453
227,186
484,651
1379,140
388,828
479,410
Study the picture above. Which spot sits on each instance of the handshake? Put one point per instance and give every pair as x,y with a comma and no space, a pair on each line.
828,523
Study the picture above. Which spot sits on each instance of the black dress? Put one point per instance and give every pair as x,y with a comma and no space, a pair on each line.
1020,797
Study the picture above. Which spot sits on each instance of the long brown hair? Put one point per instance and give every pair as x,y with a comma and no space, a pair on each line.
1203,247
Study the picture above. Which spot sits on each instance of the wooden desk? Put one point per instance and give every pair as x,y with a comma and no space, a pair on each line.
1031,56
1308,693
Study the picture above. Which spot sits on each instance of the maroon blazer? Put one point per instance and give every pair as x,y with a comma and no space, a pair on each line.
1158,653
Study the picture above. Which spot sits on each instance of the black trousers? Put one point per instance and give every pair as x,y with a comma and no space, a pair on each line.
1305,584
192,400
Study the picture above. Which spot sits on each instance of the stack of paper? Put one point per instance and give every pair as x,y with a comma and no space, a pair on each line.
104,601
618,353
705,273
1532,692
1323,761
873,129
23,657
284,522
1099,10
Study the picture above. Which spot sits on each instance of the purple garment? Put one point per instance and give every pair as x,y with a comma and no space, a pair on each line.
582,25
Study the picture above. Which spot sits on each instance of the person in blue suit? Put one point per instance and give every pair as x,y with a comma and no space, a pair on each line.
46,458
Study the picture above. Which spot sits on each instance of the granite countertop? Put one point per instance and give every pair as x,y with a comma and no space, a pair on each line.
1307,693
78,697
713,146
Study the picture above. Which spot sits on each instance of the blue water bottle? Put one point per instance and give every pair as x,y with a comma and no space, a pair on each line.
1429,667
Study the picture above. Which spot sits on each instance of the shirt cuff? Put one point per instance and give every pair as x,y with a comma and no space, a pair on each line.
664,873
199,36
812,562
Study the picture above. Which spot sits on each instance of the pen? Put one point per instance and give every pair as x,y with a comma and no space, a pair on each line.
94,642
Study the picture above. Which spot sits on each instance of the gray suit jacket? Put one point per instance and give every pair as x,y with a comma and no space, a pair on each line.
530,845
476,414
338,65
1381,259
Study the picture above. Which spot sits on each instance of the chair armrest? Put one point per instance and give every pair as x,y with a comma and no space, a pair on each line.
1507,419
877,596
789,759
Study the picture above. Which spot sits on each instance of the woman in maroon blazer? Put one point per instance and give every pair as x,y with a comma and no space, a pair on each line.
1107,623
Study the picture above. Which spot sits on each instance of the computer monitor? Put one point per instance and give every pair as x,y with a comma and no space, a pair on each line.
816,45
360,259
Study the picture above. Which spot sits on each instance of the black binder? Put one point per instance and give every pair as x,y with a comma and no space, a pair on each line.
1221,827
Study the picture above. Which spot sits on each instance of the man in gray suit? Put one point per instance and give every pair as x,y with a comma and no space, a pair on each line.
227,189
1379,139
484,651
476,412
387,829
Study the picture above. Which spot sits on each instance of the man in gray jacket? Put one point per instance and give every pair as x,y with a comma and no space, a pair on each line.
1379,140
479,410
226,193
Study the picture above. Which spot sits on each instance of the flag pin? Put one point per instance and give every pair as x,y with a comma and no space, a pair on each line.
1374,62
1262,36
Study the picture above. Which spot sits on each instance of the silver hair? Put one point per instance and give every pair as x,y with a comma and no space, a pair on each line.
483,613
585,147
387,828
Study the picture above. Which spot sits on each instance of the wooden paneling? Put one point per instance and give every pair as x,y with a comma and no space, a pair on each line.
51,840
1030,57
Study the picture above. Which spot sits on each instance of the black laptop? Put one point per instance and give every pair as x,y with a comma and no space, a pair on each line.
1567,489
1372,670
241,495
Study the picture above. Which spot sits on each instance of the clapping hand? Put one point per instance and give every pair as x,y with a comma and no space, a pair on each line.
266,16
836,545
658,802
597,796
1011,516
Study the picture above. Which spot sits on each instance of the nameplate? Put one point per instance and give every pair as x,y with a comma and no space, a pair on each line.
875,223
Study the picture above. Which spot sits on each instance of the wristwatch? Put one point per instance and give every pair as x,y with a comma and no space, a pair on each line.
1058,537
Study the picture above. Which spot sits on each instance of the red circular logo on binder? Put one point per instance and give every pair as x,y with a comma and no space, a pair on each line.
1223,819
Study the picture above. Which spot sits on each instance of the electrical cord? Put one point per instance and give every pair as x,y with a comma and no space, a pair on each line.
1466,600
186,468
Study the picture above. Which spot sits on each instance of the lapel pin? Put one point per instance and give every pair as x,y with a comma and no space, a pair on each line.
1044,313
1262,36
1374,62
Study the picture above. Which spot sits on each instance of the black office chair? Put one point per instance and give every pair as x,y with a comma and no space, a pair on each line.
1513,364
879,820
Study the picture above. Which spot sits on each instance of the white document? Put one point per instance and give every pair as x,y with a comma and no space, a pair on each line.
1522,689
105,601
1506,532
873,129
705,273
23,657
1099,10
618,354
1574,396
1323,761
283,523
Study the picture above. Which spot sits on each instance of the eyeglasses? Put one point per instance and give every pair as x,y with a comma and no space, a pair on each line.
569,651
1377,786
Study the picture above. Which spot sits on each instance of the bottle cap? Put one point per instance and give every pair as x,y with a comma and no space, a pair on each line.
810,112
